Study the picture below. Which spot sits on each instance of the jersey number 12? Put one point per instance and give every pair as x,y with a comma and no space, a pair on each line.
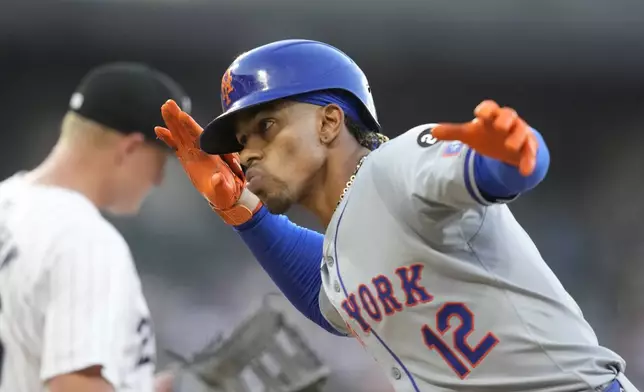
434,340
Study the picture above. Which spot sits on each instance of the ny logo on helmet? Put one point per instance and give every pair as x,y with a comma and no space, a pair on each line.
227,87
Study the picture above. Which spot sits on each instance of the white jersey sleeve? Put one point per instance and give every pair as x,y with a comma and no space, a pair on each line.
431,171
86,303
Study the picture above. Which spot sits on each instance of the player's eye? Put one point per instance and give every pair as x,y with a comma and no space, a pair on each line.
264,125
242,139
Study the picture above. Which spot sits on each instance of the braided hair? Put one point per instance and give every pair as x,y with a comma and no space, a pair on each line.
367,138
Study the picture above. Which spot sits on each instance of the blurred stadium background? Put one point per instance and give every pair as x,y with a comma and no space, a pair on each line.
573,68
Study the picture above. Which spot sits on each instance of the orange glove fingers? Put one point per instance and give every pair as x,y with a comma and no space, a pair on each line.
450,131
224,192
517,136
505,120
190,125
486,110
170,112
170,123
234,163
165,136
528,159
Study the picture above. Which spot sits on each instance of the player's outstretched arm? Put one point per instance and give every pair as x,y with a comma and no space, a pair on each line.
509,157
491,159
290,254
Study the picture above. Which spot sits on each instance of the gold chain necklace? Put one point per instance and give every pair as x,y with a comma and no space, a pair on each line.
351,179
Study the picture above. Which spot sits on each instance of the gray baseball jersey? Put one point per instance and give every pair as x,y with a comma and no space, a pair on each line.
445,289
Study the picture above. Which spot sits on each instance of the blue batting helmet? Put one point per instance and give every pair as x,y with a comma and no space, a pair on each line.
280,70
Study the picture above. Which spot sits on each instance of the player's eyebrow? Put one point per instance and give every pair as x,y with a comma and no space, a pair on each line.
250,116
268,109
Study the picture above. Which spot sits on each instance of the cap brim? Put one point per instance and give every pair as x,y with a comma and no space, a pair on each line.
218,136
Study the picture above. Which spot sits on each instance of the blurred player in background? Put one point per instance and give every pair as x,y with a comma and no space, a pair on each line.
422,261
72,312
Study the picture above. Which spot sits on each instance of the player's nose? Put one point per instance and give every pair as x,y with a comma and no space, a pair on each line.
248,157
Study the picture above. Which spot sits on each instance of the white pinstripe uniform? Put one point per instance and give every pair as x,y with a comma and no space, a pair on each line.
70,294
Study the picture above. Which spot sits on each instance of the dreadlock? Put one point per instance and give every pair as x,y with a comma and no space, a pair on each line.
367,138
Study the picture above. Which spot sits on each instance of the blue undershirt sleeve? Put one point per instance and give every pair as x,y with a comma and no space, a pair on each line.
291,256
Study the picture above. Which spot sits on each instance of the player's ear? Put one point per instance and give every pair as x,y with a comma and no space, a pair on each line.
332,121
128,145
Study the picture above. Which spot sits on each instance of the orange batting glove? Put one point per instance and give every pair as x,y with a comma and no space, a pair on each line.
219,178
496,132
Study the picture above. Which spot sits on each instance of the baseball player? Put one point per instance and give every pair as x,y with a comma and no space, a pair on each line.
422,260
72,313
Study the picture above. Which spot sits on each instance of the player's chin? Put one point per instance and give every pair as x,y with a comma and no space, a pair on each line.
276,205
126,208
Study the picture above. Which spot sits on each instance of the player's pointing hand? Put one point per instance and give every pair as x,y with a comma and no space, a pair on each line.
219,178
496,132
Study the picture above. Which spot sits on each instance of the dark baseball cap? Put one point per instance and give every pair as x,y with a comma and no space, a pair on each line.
127,97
